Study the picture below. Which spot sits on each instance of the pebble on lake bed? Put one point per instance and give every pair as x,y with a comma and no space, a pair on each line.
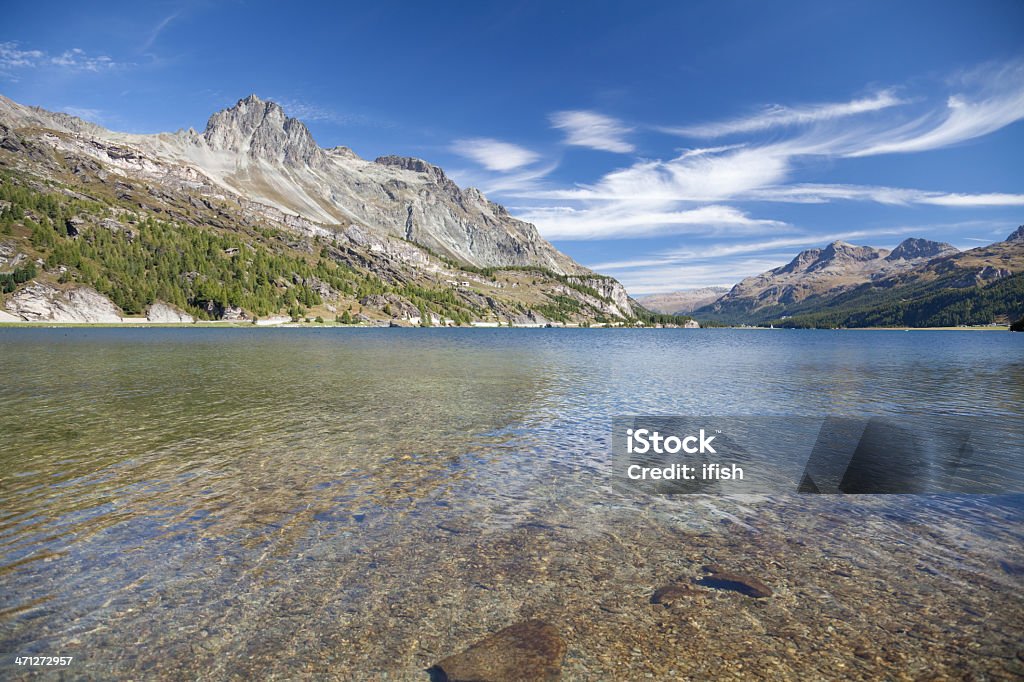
531,650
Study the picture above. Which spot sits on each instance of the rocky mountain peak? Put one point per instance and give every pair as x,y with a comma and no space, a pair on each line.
914,248
801,261
342,152
262,130
842,254
1017,235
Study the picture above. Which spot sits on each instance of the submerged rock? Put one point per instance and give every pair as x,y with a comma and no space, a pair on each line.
669,594
724,580
531,650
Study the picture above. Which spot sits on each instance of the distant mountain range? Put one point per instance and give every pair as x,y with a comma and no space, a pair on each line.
919,283
682,302
392,238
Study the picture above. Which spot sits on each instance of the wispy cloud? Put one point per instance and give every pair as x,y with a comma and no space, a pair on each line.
824,193
786,245
989,99
659,197
305,111
310,112
494,154
965,117
593,130
697,189
662,279
777,116
12,57
703,177
84,113
526,181
616,220
704,151
157,30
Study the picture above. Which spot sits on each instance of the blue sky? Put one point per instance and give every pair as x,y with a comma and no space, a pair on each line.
670,144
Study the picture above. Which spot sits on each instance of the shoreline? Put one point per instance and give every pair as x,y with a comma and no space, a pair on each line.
218,324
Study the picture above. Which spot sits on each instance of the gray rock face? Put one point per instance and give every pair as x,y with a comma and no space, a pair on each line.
44,303
1017,235
385,244
612,290
164,313
263,131
234,314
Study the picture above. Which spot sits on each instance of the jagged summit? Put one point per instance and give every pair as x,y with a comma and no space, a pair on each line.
836,254
262,130
1017,235
914,248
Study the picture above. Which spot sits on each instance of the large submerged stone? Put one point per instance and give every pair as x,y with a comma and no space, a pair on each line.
721,579
672,593
531,650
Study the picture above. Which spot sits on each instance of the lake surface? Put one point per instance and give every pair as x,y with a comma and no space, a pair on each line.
350,503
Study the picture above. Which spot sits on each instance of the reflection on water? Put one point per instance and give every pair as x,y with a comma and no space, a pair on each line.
362,502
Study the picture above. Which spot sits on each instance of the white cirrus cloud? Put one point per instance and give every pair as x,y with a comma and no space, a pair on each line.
84,113
776,116
962,120
651,197
593,130
688,177
658,197
619,221
157,30
494,154
309,112
809,193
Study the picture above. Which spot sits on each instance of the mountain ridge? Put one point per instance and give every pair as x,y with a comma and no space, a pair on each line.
322,230
841,284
